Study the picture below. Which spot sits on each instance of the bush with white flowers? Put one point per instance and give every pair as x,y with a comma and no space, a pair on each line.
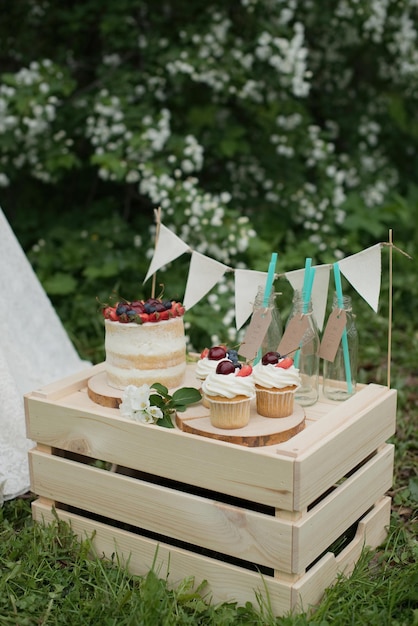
290,120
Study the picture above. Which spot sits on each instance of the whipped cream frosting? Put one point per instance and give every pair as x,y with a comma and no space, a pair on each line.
270,376
228,385
205,366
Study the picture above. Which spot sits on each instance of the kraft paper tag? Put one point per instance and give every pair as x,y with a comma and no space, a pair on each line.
255,333
298,332
332,335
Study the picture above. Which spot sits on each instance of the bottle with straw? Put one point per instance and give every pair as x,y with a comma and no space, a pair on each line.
306,358
340,375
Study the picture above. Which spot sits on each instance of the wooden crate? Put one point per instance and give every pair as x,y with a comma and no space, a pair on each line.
250,521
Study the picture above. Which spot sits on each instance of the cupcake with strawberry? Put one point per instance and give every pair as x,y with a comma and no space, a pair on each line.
276,380
229,391
209,360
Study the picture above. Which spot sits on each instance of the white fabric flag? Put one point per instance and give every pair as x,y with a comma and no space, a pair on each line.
364,271
204,273
319,289
169,247
247,283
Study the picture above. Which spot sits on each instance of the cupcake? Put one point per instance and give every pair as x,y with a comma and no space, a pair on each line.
208,362
276,380
229,391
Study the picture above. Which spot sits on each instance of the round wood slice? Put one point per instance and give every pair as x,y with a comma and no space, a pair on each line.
101,393
260,431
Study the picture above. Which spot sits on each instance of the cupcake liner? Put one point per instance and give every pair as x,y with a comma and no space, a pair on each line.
229,413
275,403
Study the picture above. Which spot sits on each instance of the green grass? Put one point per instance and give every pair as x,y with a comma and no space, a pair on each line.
49,577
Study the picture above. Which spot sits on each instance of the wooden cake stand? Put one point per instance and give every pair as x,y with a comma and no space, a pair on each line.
261,431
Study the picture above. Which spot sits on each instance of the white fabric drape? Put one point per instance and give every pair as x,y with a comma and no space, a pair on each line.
34,351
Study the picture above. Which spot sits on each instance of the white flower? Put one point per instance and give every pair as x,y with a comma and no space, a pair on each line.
136,405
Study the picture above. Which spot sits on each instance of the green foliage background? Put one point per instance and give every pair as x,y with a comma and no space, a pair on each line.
257,126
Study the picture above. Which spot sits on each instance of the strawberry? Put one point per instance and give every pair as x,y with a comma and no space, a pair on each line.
204,353
165,315
285,363
110,314
144,317
245,370
154,317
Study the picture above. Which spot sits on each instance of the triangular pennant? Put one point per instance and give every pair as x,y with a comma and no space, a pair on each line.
169,247
247,283
319,290
204,273
364,272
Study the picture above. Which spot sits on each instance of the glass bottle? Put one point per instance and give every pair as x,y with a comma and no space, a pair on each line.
274,332
306,358
340,376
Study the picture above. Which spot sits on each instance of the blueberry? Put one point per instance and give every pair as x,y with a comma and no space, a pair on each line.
121,308
131,313
149,308
232,355
167,304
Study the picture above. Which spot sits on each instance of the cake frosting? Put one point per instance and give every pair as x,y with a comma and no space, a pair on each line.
228,385
272,377
205,366
145,352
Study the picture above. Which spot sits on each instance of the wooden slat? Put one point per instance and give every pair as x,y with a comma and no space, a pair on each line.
316,530
100,433
308,590
371,532
232,530
226,583
356,434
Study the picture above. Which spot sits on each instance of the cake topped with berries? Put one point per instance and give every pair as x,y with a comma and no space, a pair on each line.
145,343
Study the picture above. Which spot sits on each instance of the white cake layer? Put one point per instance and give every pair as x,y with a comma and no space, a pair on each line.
145,353
170,377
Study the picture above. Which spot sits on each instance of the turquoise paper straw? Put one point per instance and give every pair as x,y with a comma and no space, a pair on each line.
306,296
267,291
338,289
270,278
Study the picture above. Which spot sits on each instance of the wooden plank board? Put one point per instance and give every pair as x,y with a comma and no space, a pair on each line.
261,431
98,432
226,582
329,519
232,530
355,436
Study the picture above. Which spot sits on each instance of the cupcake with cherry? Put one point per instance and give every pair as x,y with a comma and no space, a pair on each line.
276,380
229,390
209,360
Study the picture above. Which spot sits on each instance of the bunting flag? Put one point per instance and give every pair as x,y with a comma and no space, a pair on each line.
204,273
319,290
169,247
247,283
364,272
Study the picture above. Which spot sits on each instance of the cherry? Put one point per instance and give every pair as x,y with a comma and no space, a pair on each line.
225,367
216,353
270,358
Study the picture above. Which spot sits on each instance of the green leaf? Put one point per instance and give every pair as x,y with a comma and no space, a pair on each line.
156,400
186,395
161,389
165,422
413,488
